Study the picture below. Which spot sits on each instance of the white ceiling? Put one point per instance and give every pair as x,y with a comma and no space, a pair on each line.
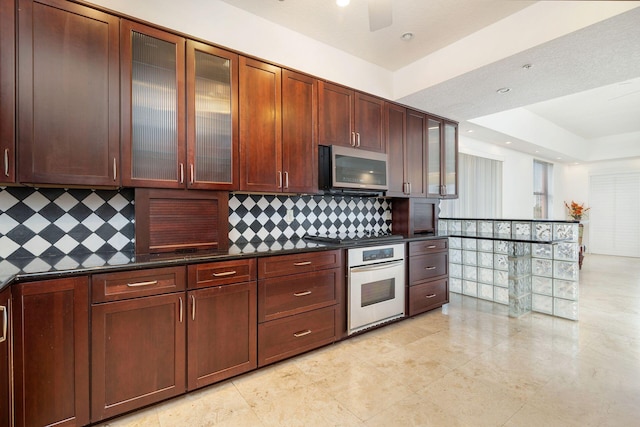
586,82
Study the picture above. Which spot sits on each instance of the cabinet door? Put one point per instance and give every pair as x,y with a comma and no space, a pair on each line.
260,126
335,115
450,165
153,107
434,179
212,119
68,111
5,366
416,153
222,333
369,122
137,353
7,90
51,352
396,117
299,133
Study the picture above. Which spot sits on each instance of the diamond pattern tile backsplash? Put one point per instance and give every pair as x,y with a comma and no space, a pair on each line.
264,217
53,222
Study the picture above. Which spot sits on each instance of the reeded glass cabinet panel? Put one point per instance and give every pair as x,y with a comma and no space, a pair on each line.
450,160
212,116
154,108
433,168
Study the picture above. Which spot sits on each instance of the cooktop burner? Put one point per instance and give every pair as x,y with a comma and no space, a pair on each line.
362,236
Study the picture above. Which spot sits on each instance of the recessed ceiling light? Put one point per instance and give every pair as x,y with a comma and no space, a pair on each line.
342,3
558,158
507,142
407,36
504,90
470,131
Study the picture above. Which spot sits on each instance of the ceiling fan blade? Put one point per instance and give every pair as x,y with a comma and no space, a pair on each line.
379,14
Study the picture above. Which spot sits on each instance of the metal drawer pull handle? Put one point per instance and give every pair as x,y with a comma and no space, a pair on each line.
301,294
226,273
6,162
430,296
5,323
431,247
193,307
301,334
115,170
430,268
133,285
180,309
299,264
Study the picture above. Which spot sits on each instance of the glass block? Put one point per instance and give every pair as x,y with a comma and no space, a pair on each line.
501,295
455,285
485,291
521,230
542,304
469,258
519,267
455,226
470,272
565,231
469,226
565,308
518,249
501,247
501,262
566,251
485,227
565,289
455,255
485,259
565,270
542,285
455,270
542,267
485,245
543,231
455,242
469,244
442,226
470,288
502,228
485,275
542,250
501,278
519,306
519,286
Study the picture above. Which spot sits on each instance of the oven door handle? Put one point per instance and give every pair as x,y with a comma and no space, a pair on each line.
377,266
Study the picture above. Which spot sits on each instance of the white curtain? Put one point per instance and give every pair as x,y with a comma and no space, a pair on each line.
479,192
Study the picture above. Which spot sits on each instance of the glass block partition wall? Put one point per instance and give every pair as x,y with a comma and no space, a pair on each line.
528,265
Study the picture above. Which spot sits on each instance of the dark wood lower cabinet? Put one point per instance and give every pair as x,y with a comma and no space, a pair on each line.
222,333
51,352
5,366
138,353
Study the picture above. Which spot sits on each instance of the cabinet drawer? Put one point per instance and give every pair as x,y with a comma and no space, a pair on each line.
292,335
138,283
298,263
423,267
222,273
428,296
428,246
283,296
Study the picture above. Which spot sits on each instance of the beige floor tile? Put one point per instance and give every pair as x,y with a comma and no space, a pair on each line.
415,411
144,418
529,416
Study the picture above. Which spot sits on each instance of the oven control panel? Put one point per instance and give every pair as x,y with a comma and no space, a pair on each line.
375,254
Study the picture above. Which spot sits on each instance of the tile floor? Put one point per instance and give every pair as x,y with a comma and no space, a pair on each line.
467,364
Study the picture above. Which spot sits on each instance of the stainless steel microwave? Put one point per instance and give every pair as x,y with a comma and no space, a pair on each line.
352,169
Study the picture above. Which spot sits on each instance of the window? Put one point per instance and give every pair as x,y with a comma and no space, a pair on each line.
542,175
480,192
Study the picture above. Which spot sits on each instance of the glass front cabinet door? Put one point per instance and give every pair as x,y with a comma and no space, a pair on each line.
442,175
179,111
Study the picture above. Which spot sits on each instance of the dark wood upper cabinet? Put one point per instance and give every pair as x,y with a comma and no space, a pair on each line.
407,151
5,366
212,119
442,176
51,352
299,132
396,121
350,118
7,90
68,109
416,153
260,126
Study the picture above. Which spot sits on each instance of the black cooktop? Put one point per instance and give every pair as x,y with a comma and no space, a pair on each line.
357,237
